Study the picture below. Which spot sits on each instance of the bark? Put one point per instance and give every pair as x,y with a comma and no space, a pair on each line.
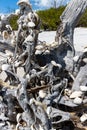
69,20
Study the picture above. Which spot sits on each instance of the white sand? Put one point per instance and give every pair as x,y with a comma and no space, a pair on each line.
80,37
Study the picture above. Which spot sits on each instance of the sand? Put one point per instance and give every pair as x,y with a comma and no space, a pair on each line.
80,37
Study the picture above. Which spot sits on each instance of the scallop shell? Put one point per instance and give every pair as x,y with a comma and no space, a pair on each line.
42,94
29,39
8,53
85,50
53,63
31,24
83,118
83,88
47,52
38,52
78,100
6,67
76,94
85,60
39,47
75,58
19,117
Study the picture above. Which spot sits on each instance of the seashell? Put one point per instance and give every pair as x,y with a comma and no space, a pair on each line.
53,63
76,94
42,82
29,39
17,11
1,98
6,67
8,53
3,75
83,88
31,101
85,60
40,127
38,52
75,58
83,118
17,126
47,52
49,110
20,71
54,44
18,117
67,92
42,94
78,100
36,16
31,24
39,47
24,1
85,50
17,63
30,15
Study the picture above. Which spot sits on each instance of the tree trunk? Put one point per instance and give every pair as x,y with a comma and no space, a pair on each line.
69,20
64,33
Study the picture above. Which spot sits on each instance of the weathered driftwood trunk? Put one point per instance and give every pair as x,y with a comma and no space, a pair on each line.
69,20
64,34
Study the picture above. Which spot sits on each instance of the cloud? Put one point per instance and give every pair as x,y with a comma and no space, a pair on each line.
43,4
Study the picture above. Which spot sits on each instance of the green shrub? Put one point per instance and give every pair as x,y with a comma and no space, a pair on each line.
13,22
83,20
50,18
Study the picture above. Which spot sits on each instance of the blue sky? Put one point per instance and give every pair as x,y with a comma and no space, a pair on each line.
7,6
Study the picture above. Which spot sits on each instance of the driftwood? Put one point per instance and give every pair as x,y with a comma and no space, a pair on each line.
43,86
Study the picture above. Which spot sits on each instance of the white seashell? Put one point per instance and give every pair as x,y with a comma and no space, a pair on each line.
75,58
17,11
85,60
38,52
30,15
6,67
20,71
85,50
23,1
18,117
31,101
83,118
54,44
31,24
42,82
49,110
1,98
29,39
77,100
17,63
42,94
67,92
76,94
40,127
39,47
3,75
47,52
8,53
53,63
83,88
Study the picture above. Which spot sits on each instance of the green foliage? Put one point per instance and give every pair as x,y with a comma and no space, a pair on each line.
50,18
83,20
13,22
